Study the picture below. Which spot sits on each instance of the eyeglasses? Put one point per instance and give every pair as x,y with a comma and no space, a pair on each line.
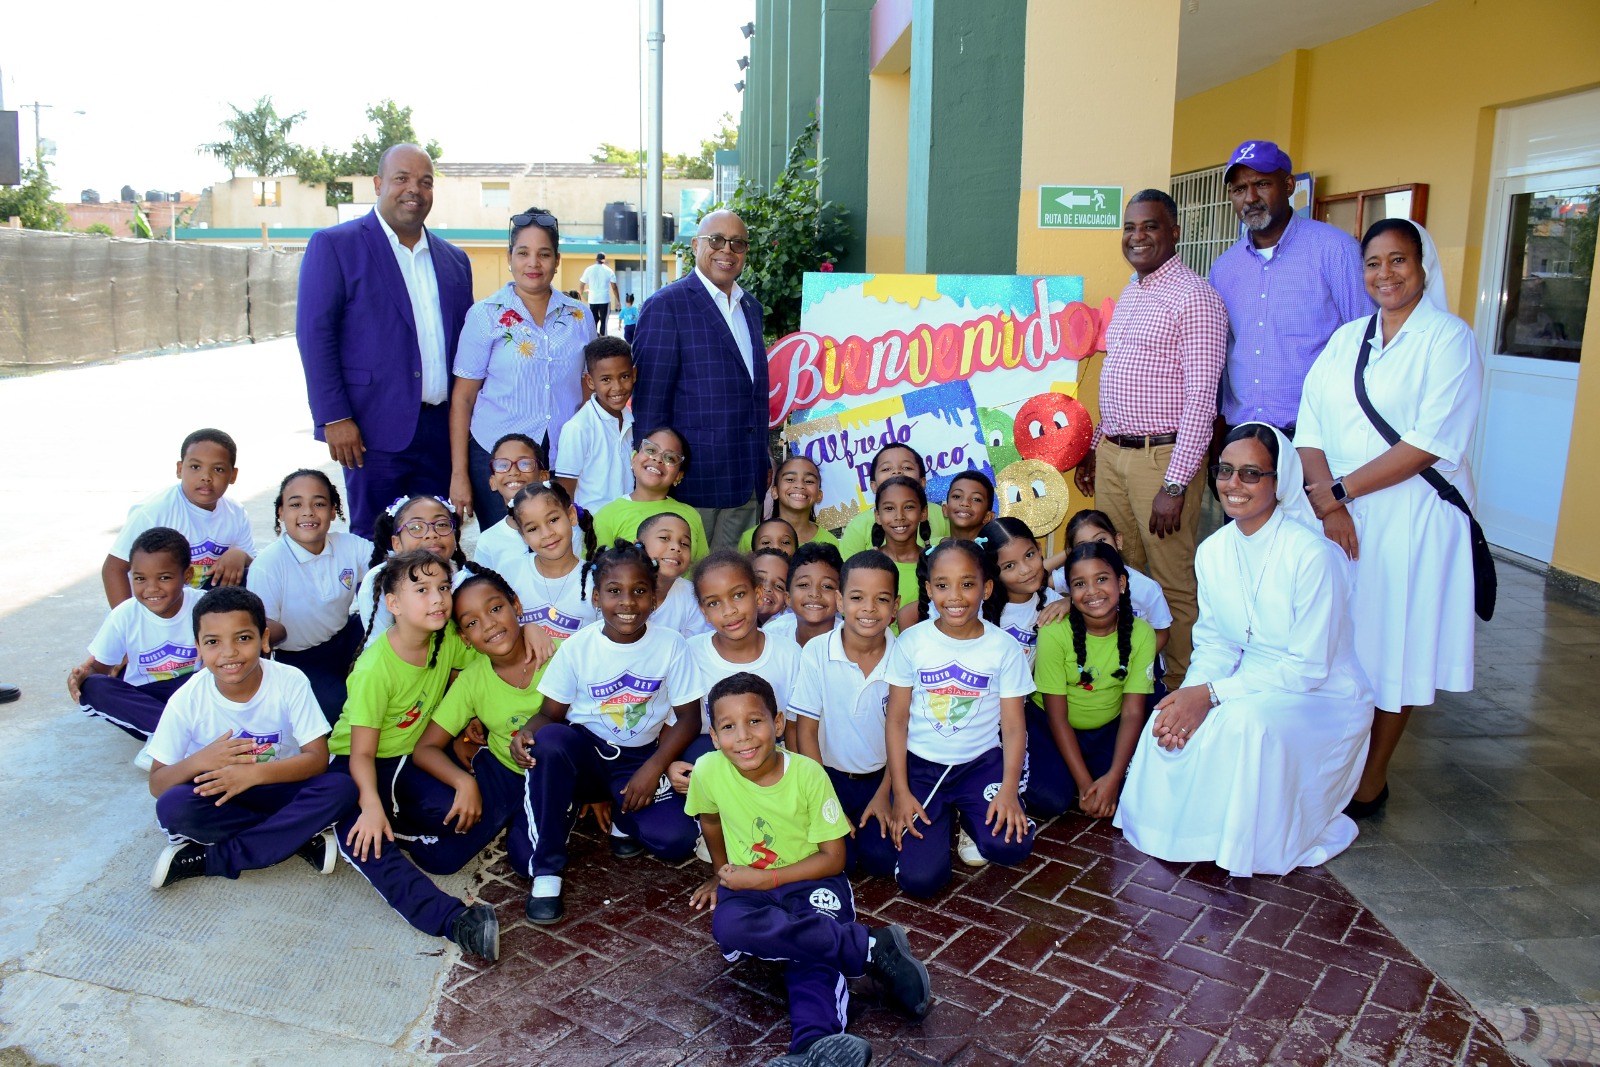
528,218
650,451
718,242
1248,475
525,465
416,527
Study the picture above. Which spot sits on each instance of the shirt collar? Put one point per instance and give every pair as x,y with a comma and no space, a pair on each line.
394,238
836,647
302,554
1155,277
1283,238
737,296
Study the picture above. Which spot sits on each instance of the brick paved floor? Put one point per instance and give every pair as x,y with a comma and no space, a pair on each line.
1091,953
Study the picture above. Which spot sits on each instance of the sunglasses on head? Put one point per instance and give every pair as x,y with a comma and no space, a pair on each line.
534,219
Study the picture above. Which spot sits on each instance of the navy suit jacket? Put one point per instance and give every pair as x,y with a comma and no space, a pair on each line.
692,378
358,336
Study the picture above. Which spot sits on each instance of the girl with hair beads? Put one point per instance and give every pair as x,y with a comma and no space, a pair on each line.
394,689
665,538
410,523
1094,675
550,580
771,533
307,582
796,492
956,734
659,464
488,702
969,504
514,463
602,734
900,511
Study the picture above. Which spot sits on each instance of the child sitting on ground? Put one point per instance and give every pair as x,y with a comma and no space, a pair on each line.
153,632
774,828
218,531
240,771
595,459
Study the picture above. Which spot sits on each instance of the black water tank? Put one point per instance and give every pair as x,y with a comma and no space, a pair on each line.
621,222
669,228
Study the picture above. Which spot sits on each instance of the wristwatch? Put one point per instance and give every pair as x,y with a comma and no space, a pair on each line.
1172,489
1339,492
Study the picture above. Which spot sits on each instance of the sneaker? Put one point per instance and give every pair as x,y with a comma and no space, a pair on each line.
143,760
625,848
967,849
545,911
835,1050
904,978
477,931
701,850
320,852
177,862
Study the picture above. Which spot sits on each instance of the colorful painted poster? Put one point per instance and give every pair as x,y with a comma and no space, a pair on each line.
976,372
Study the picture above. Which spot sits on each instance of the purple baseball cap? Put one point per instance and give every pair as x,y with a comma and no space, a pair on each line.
1262,156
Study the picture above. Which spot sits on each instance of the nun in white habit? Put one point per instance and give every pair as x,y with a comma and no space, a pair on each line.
1251,762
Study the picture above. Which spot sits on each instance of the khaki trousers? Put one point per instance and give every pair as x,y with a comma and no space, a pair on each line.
724,526
1126,483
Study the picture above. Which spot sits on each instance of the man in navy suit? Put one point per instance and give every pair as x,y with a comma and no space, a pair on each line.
380,310
703,371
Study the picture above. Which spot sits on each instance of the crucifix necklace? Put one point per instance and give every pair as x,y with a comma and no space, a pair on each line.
1250,605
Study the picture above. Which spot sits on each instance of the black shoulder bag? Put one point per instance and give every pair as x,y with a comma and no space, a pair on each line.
1483,577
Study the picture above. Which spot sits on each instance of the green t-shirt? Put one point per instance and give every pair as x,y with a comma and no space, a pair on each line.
823,536
858,534
768,826
907,587
499,705
621,518
1055,671
391,696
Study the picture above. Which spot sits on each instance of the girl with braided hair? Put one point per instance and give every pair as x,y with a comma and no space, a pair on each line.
1093,673
901,530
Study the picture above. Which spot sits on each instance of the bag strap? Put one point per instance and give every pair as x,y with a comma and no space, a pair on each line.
1447,492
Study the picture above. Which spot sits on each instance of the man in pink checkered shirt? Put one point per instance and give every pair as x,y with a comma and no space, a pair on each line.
1158,396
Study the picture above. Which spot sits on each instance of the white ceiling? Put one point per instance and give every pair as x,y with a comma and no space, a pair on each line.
1220,40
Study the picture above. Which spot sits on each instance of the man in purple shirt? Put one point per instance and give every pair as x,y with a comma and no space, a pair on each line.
1288,283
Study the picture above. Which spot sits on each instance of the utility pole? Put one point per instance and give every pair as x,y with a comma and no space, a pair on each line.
652,191
38,142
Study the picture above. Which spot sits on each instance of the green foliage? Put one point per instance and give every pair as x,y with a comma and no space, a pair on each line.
701,165
32,201
325,166
100,228
791,232
682,165
258,141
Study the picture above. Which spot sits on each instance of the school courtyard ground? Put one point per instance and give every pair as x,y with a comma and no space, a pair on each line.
1462,928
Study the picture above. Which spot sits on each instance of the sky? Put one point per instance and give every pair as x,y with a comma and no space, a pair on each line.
540,82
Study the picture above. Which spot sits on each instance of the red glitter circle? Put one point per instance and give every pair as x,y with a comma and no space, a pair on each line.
1053,428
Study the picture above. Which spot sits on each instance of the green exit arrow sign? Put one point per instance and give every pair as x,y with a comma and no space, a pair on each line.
1080,207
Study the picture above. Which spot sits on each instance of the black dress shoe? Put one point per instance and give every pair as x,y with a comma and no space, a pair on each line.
625,848
1365,809
8,693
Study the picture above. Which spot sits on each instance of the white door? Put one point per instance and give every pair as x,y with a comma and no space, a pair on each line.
1539,252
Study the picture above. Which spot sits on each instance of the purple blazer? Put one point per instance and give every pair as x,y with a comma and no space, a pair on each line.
692,378
358,336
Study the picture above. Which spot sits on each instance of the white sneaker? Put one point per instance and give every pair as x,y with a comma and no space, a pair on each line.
700,848
144,761
967,849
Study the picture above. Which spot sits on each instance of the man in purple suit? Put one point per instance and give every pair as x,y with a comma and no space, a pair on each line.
380,310
703,371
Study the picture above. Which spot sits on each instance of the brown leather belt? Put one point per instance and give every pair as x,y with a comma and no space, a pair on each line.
1154,440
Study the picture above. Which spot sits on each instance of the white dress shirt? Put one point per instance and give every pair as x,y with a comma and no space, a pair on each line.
422,285
733,312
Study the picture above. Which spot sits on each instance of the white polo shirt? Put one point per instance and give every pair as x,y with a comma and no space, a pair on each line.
558,605
680,611
281,717
598,454
422,286
623,694
847,704
157,649
956,688
778,663
210,533
309,594
499,546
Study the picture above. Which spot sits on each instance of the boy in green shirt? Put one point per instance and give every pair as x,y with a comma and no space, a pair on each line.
775,832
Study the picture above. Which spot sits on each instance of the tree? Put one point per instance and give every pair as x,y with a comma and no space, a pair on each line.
681,165
701,165
632,159
324,166
32,201
258,141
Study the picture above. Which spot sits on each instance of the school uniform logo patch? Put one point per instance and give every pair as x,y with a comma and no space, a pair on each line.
826,901
830,810
1026,638
625,701
347,578
169,661
266,745
203,557
409,719
953,695
557,624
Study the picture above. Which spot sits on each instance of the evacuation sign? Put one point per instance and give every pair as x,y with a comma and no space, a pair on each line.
1080,207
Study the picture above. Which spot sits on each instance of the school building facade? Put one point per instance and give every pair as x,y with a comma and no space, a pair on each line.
1478,118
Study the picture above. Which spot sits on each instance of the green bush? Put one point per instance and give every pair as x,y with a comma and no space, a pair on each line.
100,228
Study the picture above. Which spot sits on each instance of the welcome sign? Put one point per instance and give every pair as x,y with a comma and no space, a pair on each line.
975,372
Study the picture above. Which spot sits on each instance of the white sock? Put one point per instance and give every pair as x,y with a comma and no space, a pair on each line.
616,831
547,885
872,943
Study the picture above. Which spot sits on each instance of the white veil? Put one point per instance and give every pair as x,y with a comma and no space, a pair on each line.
1291,493
1432,273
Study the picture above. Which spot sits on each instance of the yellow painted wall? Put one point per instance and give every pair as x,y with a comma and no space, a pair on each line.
1578,528
1266,105
887,134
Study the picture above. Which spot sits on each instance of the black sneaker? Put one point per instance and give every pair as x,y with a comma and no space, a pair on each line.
477,931
625,848
835,1050
545,911
177,862
320,853
904,978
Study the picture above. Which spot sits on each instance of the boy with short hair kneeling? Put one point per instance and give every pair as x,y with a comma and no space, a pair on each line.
241,755
774,828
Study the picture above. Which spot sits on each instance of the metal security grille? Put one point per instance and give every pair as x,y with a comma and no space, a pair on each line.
1206,219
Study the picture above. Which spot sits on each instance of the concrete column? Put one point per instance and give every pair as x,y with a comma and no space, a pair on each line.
758,91
965,136
845,111
805,71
